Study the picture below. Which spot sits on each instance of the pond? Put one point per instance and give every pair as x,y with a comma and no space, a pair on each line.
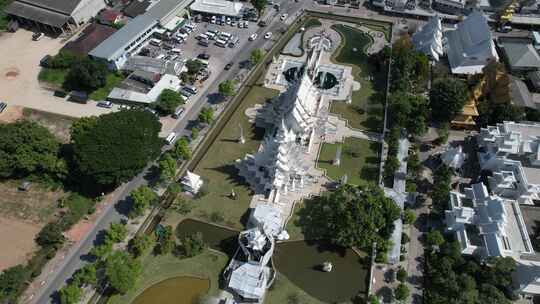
179,290
218,238
301,261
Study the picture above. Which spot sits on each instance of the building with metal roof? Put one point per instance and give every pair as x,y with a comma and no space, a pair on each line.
133,36
218,7
53,16
470,46
520,54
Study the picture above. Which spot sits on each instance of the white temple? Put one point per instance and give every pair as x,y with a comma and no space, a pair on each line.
250,272
470,46
487,225
428,39
191,182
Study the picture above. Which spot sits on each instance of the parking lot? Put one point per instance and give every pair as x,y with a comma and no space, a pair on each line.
19,69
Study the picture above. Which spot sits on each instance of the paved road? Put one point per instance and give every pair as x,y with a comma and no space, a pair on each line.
74,259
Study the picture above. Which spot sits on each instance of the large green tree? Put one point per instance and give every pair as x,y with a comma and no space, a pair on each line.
28,148
409,111
86,275
12,280
70,294
167,167
142,198
227,88
206,115
259,5
50,236
350,216
117,232
168,101
194,66
447,98
256,56
86,75
182,150
122,271
116,146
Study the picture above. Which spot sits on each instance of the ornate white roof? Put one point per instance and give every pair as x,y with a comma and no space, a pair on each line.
428,39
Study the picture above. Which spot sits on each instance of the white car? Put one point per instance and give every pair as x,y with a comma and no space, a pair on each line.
283,17
268,35
213,20
228,21
253,37
37,36
233,23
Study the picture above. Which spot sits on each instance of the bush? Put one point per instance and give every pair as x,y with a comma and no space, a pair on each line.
50,236
86,75
193,245
401,275
405,238
217,217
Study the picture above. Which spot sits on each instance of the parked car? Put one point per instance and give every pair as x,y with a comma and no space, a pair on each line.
253,37
283,17
105,104
233,23
228,66
37,36
268,35
262,23
203,56
178,113
3,106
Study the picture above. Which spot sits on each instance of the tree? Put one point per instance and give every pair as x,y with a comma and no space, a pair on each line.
12,281
259,5
434,238
408,217
116,233
372,299
447,98
86,275
63,60
401,275
193,245
142,198
194,133
227,88
70,294
256,56
167,167
86,75
414,166
50,236
102,250
181,206
391,165
402,292
409,111
405,238
193,66
168,101
182,150
28,148
116,147
206,115
122,271
489,294
140,243
165,242
351,216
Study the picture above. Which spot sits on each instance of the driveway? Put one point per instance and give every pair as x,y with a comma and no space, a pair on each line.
19,69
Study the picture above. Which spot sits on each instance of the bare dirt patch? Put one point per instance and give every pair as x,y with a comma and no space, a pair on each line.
17,238
11,73
57,124
37,205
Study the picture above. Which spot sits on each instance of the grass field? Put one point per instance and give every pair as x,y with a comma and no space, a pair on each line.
207,265
55,77
284,291
113,80
363,165
59,125
218,166
366,110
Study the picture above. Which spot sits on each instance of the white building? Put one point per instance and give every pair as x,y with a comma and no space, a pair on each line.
428,39
487,225
132,37
218,7
453,157
511,152
191,182
470,46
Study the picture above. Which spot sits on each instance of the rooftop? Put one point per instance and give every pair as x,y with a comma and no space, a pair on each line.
91,37
222,7
520,54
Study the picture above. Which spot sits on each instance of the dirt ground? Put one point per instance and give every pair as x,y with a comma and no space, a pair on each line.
17,238
36,205
19,69
59,125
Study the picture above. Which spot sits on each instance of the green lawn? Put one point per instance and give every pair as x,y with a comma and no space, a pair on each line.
113,80
208,265
366,110
362,166
218,165
55,77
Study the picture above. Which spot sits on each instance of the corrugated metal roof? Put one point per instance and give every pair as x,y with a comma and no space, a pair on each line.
162,11
61,6
37,14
